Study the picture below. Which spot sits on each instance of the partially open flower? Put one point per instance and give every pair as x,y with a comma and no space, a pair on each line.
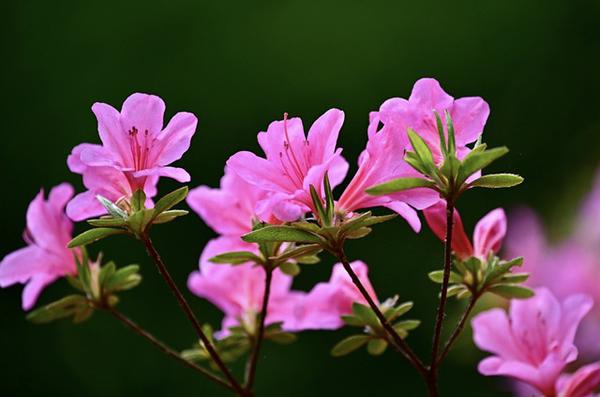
46,256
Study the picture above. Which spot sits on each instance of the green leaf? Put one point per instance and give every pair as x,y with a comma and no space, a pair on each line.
376,347
298,252
494,181
65,307
477,160
106,272
329,200
283,338
138,200
413,160
170,200
451,134
124,278
168,216
511,291
398,185
395,312
422,151
437,276
355,222
93,235
358,233
318,204
455,289
308,260
139,221
111,207
407,325
365,313
353,321
108,222
440,129
290,268
348,345
281,234
514,278
503,267
236,258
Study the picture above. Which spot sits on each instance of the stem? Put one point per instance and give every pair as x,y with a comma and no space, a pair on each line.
163,347
400,344
190,315
441,309
458,330
253,359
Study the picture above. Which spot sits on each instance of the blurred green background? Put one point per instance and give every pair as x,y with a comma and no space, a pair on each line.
238,66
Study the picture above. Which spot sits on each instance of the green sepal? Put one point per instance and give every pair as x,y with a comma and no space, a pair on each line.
376,347
71,305
111,207
365,314
437,276
298,252
477,160
170,200
138,200
511,291
290,268
168,216
108,222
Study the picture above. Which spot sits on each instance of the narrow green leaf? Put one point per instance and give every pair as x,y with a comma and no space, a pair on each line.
395,312
168,216
455,289
440,128
297,252
494,181
308,260
138,200
348,345
376,347
413,160
170,200
290,268
283,338
281,234
511,291
407,325
106,272
422,150
108,222
437,276
353,321
64,307
355,222
318,204
236,258
514,278
451,134
329,199
358,233
475,161
398,185
502,268
111,207
365,313
92,235
139,221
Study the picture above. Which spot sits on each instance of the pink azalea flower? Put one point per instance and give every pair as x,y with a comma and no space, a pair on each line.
135,142
487,237
293,162
238,290
104,181
567,268
582,383
323,306
534,343
46,256
230,209
381,161
469,115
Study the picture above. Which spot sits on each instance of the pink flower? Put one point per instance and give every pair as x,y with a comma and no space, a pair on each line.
105,181
135,143
487,237
46,256
582,383
293,162
567,268
231,209
469,115
382,161
324,305
238,290
534,342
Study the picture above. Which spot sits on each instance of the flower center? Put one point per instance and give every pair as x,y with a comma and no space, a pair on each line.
139,145
295,165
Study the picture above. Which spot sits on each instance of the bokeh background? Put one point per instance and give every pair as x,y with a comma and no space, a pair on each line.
237,66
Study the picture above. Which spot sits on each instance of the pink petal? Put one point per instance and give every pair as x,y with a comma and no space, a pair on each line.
111,132
34,288
144,112
84,206
469,115
20,265
278,132
574,309
323,135
74,159
179,174
176,137
582,383
406,212
258,172
436,219
489,233
492,333
101,156
428,94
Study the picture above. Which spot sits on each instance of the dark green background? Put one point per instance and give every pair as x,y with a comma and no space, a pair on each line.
238,66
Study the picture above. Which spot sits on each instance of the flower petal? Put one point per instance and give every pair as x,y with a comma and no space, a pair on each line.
323,135
144,112
469,115
34,288
176,137
489,233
